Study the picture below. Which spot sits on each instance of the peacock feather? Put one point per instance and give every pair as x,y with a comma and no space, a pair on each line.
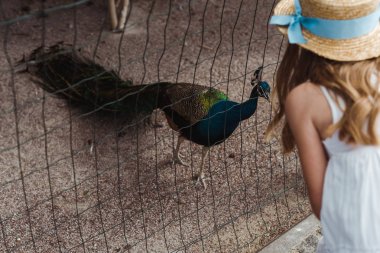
192,101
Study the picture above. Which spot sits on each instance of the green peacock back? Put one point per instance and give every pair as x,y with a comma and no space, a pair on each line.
193,101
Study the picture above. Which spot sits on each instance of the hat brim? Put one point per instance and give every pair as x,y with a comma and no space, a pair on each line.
355,49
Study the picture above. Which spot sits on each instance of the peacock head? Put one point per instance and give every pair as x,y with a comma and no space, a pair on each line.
262,89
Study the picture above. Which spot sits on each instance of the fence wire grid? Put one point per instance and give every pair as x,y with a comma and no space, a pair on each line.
75,181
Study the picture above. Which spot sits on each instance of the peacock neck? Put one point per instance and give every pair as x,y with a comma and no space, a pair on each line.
246,109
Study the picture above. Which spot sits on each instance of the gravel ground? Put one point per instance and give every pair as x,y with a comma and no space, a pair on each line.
75,183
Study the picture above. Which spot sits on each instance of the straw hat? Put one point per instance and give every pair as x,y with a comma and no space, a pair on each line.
353,49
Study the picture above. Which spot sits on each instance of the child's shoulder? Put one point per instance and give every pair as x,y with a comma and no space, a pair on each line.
304,96
307,102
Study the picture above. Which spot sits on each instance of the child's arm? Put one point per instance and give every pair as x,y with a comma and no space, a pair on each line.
302,108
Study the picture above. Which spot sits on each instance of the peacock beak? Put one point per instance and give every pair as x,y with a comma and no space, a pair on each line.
266,96
264,93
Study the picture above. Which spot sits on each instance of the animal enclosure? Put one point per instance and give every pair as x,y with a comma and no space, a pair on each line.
76,180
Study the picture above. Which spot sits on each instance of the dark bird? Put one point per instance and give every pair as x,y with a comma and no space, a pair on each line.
201,114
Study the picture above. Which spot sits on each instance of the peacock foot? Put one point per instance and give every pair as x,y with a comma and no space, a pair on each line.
201,180
178,159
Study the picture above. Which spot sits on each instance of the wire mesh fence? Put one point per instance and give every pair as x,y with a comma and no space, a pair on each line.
74,180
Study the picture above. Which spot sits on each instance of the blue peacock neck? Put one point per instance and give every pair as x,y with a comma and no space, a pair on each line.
246,109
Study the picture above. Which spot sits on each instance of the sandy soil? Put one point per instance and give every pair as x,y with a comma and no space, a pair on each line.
75,183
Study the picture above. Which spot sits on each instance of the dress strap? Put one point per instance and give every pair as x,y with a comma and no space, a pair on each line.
335,110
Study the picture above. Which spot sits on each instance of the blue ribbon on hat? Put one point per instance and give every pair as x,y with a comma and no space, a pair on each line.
325,28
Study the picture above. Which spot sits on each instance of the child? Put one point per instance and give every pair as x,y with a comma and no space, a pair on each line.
328,91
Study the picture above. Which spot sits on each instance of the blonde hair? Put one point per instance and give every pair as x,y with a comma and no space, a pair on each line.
349,80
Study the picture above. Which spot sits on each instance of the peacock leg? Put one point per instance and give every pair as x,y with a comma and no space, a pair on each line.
177,157
201,176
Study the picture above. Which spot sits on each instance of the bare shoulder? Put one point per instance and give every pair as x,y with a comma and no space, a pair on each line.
303,97
306,101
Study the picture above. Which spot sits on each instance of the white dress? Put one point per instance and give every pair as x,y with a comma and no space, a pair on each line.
350,214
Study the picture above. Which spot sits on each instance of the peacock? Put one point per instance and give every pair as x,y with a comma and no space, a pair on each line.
200,114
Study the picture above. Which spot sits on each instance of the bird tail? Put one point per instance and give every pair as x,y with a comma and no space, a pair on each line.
61,70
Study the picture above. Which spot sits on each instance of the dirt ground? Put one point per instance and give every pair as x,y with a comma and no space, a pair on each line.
75,183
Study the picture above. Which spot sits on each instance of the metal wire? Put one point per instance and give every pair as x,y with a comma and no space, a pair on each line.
112,167
17,134
230,216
